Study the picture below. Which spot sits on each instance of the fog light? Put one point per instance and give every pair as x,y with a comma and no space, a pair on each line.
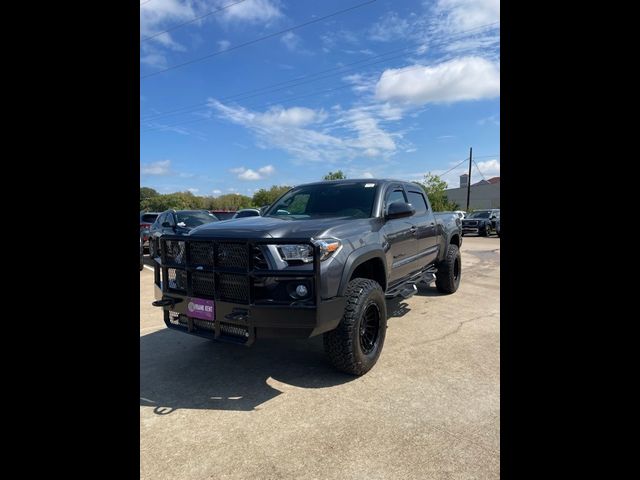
301,291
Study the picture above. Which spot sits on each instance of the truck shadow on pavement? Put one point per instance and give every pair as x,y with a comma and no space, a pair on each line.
180,371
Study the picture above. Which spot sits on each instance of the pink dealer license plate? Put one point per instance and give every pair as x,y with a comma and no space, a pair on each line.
201,308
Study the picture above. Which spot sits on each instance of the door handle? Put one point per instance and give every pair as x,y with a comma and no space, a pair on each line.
413,229
432,223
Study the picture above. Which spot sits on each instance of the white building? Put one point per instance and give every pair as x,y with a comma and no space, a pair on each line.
484,194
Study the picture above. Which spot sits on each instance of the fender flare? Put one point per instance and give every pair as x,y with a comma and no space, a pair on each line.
357,258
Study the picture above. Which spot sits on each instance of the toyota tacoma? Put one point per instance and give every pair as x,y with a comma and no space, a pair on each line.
322,259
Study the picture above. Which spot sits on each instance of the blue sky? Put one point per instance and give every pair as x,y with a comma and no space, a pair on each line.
389,89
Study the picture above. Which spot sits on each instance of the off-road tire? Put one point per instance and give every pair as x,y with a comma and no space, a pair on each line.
343,345
449,271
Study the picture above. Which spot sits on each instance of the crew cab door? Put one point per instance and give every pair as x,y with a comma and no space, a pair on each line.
426,231
399,236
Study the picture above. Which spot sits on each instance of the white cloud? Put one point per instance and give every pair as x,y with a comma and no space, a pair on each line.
193,190
391,27
154,60
252,11
216,191
290,40
458,15
248,174
267,170
223,44
466,78
490,168
367,175
341,136
162,167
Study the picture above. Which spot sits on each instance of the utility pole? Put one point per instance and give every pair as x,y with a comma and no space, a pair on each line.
469,180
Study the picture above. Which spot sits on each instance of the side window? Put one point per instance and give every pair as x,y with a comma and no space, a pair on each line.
418,202
396,196
169,218
159,220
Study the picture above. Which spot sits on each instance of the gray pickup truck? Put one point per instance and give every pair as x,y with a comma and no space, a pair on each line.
321,260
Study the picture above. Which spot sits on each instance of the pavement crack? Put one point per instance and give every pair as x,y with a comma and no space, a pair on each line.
457,329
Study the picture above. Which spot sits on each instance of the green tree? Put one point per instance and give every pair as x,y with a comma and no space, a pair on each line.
338,175
267,197
146,194
435,188
229,201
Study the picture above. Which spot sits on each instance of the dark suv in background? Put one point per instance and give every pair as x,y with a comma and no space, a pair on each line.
177,222
482,222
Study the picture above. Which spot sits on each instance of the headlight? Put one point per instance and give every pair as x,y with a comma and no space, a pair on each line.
328,246
304,253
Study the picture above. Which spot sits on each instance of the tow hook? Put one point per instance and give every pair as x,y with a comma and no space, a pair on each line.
166,302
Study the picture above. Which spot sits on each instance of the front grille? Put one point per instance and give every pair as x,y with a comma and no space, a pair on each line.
174,252
233,255
223,270
470,223
202,253
233,288
202,284
177,279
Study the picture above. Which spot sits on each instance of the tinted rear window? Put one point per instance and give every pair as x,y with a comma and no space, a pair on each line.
149,217
248,213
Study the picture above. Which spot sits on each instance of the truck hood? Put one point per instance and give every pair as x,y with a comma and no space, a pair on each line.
274,227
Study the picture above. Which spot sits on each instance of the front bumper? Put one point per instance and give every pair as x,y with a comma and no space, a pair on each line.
242,314
238,323
470,229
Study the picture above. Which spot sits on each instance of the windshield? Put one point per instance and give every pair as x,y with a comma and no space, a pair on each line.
326,200
478,215
194,219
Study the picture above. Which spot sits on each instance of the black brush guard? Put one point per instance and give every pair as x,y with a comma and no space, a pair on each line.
226,270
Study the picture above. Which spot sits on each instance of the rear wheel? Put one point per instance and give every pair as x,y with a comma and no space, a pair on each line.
449,271
355,345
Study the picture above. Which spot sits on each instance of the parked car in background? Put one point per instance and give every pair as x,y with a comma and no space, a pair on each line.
480,222
498,226
247,212
223,214
141,249
176,222
146,220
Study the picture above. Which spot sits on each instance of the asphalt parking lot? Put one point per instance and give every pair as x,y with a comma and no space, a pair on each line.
429,409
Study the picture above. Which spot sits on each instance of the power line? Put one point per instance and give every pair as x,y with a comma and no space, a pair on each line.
480,172
452,168
308,78
271,35
144,3
490,156
195,19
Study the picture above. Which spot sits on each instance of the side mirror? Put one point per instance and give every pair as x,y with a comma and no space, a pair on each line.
399,210
166,224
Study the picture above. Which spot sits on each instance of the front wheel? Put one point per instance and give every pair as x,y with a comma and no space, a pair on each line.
449,271
355,345
152,248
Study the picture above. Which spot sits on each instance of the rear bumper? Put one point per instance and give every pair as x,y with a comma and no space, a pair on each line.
240,323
